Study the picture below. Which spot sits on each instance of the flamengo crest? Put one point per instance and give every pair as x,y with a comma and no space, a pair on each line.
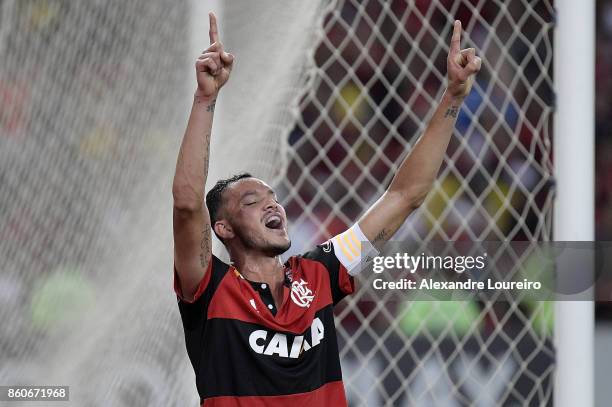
300,294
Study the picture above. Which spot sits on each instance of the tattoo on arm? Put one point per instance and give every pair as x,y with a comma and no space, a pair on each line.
210,107
381,236
452,112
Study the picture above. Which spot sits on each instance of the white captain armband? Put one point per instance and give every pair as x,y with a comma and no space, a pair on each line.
353,249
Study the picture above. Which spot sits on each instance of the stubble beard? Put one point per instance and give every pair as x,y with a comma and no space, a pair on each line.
264,245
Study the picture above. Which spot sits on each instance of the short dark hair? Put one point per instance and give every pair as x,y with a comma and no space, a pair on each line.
214,197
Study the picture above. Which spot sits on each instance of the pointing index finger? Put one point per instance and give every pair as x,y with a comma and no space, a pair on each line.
456,39
213,32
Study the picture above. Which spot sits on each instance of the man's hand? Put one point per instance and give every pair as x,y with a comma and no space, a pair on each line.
461,65
213,67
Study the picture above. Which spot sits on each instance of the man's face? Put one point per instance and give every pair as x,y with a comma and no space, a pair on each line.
256,217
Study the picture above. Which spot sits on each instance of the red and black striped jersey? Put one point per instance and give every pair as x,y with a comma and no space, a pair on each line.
245,352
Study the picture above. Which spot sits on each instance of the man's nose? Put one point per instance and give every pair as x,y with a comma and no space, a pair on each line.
271,204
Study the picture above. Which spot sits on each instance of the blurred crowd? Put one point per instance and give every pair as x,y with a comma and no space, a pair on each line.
603,121
374,92
603,138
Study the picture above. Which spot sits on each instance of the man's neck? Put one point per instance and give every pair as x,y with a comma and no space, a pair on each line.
260,268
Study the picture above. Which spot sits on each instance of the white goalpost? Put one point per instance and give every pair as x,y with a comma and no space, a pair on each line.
574,148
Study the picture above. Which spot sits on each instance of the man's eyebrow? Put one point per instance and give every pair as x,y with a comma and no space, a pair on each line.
247,193
253,192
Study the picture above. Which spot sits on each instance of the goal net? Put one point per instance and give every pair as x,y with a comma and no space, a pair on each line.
376,73
94,98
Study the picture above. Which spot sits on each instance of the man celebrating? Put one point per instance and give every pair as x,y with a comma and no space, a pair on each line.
260,332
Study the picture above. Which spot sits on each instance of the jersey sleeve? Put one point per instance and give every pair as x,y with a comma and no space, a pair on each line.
341,282
343,256
193,312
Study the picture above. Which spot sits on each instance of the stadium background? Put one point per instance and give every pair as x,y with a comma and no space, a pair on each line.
92,105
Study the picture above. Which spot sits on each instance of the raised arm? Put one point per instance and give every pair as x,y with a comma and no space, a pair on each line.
192,233
416,174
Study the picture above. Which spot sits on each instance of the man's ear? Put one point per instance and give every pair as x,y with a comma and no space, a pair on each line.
223,229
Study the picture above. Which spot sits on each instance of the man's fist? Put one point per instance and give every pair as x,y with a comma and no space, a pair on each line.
213,67
461,65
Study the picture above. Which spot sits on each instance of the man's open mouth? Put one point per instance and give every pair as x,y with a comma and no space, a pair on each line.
274,222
